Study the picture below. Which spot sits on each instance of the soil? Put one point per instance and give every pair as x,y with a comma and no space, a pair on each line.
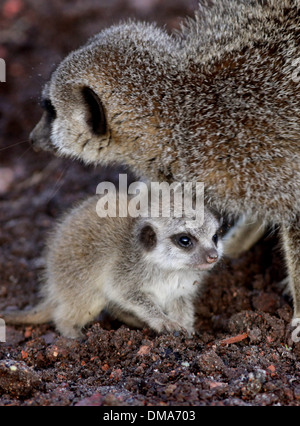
243,353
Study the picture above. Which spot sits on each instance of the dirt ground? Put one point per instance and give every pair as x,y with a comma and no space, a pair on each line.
243,354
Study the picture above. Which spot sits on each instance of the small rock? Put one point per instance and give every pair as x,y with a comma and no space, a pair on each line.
254,334
144,349
213,384
116,374
209,362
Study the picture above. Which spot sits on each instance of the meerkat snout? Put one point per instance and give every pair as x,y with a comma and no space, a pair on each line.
39,138
212,256
208,258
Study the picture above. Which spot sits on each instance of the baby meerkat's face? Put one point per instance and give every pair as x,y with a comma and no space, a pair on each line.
173,244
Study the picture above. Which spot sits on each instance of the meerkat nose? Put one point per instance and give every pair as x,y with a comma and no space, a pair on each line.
33,144
212,256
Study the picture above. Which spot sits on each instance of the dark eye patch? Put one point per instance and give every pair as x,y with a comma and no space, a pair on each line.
47,105
96,116
148,237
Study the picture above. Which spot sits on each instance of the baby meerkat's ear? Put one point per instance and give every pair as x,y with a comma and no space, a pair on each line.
148,237
96,115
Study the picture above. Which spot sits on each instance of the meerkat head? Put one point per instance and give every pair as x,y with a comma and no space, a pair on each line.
173,244
103,102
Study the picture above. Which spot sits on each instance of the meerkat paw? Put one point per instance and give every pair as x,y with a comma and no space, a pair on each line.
70,331
186,330
167,326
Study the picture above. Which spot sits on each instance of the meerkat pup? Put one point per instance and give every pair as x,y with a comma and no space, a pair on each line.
217,102
144,271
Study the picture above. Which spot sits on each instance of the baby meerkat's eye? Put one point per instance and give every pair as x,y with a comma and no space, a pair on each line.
183,241
47,105
215,239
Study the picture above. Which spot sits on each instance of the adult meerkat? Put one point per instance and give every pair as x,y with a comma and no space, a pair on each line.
218,102
145,271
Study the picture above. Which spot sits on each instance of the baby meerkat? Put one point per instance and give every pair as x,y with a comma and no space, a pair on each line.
144,271
218,102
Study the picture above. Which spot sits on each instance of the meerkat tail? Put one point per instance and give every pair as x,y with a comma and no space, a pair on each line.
40,314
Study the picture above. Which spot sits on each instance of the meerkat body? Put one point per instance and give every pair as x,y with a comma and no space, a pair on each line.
218,102
138,269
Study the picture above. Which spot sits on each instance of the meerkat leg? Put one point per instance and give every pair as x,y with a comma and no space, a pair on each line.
291,244
182,311
141,306
243,236
70,319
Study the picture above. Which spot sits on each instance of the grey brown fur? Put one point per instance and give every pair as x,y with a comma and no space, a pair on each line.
218,102
132,267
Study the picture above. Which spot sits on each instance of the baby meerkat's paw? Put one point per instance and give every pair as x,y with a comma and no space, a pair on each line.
167,326
70,331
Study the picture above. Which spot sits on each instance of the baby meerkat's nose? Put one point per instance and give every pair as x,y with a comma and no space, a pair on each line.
212,256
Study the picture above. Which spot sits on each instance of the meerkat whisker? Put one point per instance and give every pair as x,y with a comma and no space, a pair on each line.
14,145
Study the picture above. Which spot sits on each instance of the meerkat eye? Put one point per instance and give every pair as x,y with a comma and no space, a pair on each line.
183,241
215,239
47,105
96,116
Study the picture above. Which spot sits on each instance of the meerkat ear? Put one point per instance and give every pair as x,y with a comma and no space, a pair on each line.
96,116
148,237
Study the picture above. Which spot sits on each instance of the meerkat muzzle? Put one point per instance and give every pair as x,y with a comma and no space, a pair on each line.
212,258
